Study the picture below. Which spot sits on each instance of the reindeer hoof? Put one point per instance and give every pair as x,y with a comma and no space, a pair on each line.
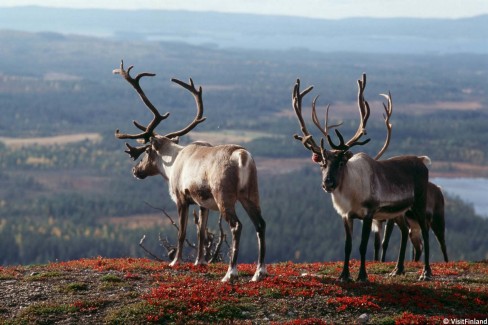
230,276
260,274
362,275
345,278
174,262
397,271
426,274
201,262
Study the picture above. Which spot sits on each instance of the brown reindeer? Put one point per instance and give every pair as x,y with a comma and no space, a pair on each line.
212,177
364,188
434,215
435,221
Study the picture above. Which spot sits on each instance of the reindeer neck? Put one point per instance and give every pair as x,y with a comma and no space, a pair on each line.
355,179
168,158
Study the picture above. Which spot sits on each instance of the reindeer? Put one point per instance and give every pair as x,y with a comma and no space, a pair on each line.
212,177
364,188
435,221
377,226
434,215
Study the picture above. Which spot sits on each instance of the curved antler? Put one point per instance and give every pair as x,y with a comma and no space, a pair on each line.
197,94
386,116
364,112
134,82
325,131
307,139
135,152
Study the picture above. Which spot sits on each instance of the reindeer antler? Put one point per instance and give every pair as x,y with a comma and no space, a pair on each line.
307,139
364,112
197,94
148,131
135,152
134,82
386,116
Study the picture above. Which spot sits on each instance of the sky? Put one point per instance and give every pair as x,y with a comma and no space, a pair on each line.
331,9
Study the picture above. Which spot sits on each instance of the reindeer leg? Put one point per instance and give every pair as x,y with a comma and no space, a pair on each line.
400,268
235,228
414,232
377,225
201,234
254,212
438,228
420,216
348,227
386,238
183,214
427,272
377,245
417,245
366,231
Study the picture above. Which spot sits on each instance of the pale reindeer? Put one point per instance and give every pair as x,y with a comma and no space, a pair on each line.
435,221
364,188
212,177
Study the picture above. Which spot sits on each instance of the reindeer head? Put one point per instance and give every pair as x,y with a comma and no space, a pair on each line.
333,162
158,149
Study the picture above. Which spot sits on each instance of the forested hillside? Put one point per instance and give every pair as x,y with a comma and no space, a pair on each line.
251,31
63,200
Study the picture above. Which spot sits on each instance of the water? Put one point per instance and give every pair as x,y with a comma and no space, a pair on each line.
471,190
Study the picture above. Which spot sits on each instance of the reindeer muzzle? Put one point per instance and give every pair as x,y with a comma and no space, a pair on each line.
329,185
138,174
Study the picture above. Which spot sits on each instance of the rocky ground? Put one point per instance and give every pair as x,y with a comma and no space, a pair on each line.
135,291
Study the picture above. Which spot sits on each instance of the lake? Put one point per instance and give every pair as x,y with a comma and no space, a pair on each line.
471,190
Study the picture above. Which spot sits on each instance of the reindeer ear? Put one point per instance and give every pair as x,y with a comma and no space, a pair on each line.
316,158
176,139
156,143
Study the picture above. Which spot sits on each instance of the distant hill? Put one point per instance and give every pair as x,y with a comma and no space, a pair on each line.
74,200
395,35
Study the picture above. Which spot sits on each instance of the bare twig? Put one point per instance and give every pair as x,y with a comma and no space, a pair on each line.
192,245
216,256
141,243
212,250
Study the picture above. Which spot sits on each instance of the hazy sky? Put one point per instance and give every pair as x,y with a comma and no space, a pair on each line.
306,8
